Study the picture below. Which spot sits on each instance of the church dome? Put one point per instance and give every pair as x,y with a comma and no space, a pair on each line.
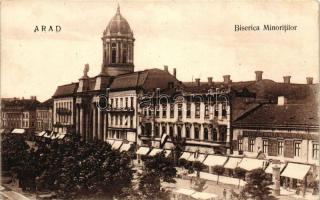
118,25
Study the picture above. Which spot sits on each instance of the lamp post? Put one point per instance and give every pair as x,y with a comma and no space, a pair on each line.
276,177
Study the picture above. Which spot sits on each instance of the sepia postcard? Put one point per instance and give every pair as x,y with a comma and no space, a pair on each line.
159,99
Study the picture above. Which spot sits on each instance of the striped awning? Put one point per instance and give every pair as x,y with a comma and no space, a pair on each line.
186,155
116,145
143,151
125,147
213,160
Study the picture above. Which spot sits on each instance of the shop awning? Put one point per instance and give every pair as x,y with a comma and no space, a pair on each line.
61,136
143,151
125,147
204,196
167,152
296,171
18,131
155,151
185,155
41,133
213,160
116,145
232,163
200,157
54,135
110,141
270,166
251,163
48,134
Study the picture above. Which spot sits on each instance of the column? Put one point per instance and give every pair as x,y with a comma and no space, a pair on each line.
219,111
105,127
276,179
99,124
93,122
77,120
87,126
81,124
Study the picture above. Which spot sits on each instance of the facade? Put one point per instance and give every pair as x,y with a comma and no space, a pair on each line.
44,115
19,113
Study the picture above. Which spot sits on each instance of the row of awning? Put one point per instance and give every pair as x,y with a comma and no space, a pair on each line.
291,170
152,152
51,135
119,145
18,131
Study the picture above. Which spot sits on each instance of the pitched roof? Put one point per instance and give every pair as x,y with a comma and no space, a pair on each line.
148,80
65,90
46,104
273,115
19,104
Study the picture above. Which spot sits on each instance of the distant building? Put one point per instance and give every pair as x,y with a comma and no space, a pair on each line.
44,115
19,113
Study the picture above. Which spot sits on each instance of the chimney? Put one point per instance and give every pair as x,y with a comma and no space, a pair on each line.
33,97
309,80
286,79
198,81
210,80
282,100
258,75
174,72
166,68
226,79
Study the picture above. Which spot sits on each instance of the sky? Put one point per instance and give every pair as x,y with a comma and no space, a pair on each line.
195,37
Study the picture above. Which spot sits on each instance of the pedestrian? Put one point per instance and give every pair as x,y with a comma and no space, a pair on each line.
224,194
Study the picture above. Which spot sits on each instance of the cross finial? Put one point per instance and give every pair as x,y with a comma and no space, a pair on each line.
118,9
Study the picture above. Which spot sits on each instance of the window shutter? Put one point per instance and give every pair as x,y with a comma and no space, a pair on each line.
272,147
288,149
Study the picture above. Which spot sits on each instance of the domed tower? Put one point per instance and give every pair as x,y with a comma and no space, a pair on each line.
118,43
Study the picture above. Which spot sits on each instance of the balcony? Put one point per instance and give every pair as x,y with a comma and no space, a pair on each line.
119,110
63,111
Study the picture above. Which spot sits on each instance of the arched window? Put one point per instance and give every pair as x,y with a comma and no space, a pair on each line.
164,129
179,132
206,135
214,134
157,134
113,53
187,132
196,133
171,131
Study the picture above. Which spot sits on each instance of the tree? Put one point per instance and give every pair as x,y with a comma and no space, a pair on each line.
219,170
179,145
240,174
198,166
257,186
157,169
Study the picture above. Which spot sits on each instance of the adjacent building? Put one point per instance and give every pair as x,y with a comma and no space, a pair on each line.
44,115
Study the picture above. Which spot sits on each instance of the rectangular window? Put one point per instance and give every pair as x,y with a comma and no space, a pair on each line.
265,146
240,144
131,121
280,148
171,110
188,110
297,147
224,110
164,111
315,150
116,120
121,119
216,110
157,111
111,103
131,102
206,111
251,144
197,113
126,102
116,102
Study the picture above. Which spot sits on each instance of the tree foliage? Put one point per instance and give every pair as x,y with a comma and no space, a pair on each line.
258,185
240,173
219,170
70,168
157,168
